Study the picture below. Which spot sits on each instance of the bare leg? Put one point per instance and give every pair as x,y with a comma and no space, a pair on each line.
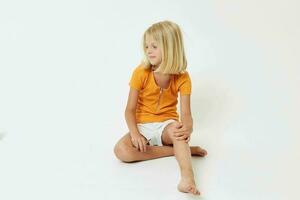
125,151
183,157
182,153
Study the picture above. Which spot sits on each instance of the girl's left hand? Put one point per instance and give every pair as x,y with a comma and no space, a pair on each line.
183,133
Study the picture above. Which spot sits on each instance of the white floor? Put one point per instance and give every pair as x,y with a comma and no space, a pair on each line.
64,72
252,154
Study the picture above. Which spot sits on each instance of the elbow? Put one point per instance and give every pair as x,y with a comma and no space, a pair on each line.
129,111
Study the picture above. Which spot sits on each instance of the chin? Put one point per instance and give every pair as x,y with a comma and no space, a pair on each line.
152,62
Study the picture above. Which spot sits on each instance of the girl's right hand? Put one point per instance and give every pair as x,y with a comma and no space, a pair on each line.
139,141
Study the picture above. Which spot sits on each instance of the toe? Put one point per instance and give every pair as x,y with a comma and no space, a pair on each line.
194,191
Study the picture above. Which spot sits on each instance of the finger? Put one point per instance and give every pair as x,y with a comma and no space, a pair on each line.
187,139
136,144
182,137
141,145
180,130
181,134
178,125
133,141
146,141
177,134
145,145
177,131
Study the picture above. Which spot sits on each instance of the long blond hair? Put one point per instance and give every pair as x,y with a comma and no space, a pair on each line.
169,38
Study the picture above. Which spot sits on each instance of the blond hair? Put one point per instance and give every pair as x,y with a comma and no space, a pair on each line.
169,38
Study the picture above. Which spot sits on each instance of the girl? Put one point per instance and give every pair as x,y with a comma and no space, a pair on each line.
151,113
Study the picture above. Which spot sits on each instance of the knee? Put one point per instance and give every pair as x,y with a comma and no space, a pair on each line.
170,129
123,152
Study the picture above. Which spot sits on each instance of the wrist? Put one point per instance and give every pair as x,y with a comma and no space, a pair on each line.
189,126
134,133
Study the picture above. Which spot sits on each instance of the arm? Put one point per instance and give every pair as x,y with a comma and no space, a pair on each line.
137,139
130,111
186,129
185,112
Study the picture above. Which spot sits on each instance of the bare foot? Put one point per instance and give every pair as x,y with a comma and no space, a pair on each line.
198,151
187,185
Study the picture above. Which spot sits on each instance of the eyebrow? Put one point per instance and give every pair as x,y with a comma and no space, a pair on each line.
151,43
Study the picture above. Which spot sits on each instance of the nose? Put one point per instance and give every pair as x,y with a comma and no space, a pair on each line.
149,50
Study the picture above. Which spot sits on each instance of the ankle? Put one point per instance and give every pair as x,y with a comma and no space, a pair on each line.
187,173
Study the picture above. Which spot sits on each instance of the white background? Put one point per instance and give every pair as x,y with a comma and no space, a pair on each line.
64,73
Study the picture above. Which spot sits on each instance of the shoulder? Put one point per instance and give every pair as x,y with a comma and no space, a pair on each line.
141,70
183,83
184,76
139,77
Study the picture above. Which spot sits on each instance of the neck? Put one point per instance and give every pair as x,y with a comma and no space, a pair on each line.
154,67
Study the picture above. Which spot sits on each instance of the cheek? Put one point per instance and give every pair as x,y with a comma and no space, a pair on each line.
159,57
158,53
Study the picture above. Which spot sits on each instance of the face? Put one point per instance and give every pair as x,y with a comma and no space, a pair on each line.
153,52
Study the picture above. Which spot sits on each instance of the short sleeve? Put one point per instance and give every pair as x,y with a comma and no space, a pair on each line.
137,78
185,84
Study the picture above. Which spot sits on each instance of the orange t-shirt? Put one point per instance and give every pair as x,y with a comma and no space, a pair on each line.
156,104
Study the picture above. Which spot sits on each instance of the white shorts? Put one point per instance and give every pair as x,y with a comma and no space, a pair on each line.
153,131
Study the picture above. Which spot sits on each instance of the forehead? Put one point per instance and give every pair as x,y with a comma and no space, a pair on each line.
150,40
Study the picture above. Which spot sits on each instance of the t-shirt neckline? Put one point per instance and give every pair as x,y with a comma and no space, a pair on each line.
153,78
